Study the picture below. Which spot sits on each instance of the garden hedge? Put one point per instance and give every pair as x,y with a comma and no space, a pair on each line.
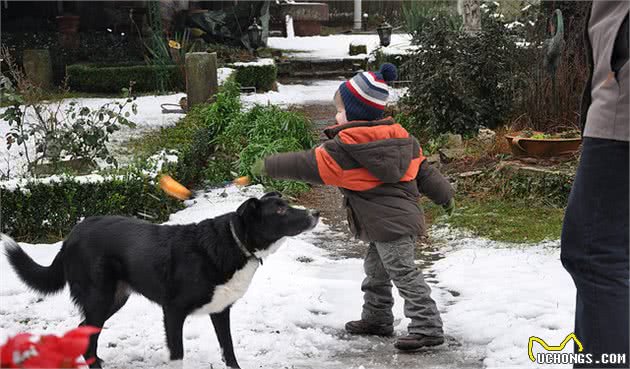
261,74
47,211
113,78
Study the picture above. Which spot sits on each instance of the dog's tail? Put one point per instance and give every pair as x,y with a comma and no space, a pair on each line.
43,279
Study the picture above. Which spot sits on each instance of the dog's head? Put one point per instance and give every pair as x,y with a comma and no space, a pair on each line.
270,218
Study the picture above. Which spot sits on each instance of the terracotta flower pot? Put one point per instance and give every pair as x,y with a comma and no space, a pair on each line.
68,24
542,148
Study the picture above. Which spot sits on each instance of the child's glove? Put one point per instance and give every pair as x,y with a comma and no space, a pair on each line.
449,206
258,169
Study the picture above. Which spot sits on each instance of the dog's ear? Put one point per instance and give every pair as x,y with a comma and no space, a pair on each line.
249,205
271,194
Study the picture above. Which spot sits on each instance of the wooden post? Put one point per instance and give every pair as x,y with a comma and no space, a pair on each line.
38,67
201,77
472,16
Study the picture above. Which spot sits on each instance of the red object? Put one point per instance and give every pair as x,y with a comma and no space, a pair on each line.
48,351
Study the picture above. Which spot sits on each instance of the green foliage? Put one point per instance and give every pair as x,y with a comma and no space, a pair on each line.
378,58
112,78
502,220
459,81
225,141
211,120
357,49
538,188
169,138
271,130
550,189
418,14
46,212
262,76
77,132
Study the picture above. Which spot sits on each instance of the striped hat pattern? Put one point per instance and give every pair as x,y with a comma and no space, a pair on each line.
365,95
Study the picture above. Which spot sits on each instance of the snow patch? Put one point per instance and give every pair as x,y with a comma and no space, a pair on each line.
257,63
492,296
318,92
497,295
337,46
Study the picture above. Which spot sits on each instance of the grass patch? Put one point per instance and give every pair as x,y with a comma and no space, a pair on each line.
501,220
168,138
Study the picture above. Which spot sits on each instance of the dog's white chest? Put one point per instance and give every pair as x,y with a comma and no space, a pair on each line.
227,294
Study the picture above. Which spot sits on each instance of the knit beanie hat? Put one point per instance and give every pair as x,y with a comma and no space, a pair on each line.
365,95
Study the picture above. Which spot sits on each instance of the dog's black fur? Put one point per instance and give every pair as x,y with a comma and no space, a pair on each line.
180,267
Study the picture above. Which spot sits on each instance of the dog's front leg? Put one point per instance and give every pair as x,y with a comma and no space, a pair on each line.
174,324
221,322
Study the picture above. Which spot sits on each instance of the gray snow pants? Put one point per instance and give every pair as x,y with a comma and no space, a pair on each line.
394,261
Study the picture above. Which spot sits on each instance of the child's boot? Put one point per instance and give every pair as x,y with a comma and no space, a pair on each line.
363,327
415,341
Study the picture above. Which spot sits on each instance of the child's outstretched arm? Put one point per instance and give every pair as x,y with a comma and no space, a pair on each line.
299,165
432,184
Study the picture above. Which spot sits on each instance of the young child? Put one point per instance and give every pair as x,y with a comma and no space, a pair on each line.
381,172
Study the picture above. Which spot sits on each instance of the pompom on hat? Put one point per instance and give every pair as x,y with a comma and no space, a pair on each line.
364,96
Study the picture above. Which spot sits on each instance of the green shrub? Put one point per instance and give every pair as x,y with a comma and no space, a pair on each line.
461,82
48,211
418,14
263,131
357,49
260,75
112,78
169,138
211,120
538,188
378,58
219,141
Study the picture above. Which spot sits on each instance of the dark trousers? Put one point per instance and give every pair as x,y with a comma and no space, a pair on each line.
595,249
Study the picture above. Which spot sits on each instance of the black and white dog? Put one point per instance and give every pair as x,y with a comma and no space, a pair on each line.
193,268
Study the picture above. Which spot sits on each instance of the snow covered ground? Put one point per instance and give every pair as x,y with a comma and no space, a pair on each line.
497,295
316,92
492,296
338,46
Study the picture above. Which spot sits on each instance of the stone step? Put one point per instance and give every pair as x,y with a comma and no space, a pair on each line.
320,67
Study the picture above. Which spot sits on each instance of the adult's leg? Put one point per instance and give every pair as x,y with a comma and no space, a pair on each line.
594,248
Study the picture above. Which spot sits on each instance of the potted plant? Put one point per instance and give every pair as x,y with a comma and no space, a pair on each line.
544,145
